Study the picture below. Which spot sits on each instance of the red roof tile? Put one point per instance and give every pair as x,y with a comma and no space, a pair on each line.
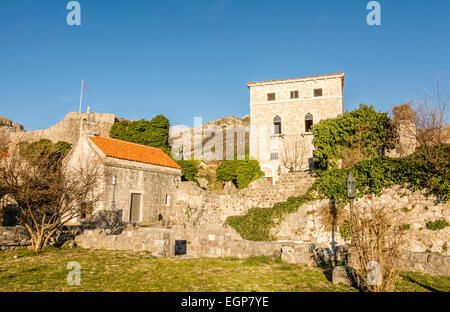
297,79
3,154
134,152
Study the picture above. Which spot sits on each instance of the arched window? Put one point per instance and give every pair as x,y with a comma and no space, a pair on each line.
277,125
308,122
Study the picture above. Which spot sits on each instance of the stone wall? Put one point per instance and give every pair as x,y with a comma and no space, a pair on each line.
412,208
68,129
13,236
198,207
422,262
407,141
196,242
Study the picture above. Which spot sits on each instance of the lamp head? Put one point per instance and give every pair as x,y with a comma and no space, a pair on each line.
351,192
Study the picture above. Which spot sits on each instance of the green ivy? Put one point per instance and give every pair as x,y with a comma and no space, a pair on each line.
256,224
364,129
437,224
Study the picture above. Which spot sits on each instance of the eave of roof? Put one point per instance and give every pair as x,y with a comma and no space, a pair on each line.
3,154
336,75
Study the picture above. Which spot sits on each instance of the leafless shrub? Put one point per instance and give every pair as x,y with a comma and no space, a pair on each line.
48,193
330,216
376,235
293,153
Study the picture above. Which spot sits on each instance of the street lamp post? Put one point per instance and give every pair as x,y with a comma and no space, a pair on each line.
113,202
351,193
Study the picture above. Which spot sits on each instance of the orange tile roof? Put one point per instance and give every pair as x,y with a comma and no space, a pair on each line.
297,79
3,154
134,152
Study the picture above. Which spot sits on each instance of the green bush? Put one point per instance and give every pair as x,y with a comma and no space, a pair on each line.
44,147
363,129
189,169
153,133
256,224
240,172
437,225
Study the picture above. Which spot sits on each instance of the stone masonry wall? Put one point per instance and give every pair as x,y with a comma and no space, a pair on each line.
413,209
68,129
13,236
195,206
422,262
198,243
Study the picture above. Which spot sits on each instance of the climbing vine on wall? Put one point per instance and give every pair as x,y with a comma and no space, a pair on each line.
362,132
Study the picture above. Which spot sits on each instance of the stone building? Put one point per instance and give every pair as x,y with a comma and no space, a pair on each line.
138,181
282,113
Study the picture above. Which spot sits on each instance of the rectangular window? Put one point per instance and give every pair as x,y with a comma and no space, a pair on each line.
318,92
273,156
270,96
294,94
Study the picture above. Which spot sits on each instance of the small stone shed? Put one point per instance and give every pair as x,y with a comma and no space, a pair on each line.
137,180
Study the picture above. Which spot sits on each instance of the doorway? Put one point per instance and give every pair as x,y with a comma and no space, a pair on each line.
135,207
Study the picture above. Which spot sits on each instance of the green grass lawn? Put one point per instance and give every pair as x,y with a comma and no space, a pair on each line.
103,270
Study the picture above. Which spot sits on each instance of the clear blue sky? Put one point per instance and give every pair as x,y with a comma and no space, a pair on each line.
193,57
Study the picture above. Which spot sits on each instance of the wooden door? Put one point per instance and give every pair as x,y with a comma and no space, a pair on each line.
135,207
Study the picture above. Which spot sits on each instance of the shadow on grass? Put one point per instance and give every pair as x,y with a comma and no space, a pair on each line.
416,282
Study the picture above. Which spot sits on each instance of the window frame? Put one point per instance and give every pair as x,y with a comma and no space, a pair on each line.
317,89
277,122
274,96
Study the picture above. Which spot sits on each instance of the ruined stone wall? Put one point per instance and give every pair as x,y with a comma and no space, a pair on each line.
413,209
68,129
407,141
13,236
198,207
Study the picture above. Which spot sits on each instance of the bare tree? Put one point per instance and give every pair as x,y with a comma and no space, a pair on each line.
293,153
376,235
48,193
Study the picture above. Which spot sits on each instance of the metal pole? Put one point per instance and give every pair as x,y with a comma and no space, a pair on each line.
81,95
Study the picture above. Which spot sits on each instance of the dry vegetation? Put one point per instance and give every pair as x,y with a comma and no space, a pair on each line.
376,234
48,193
